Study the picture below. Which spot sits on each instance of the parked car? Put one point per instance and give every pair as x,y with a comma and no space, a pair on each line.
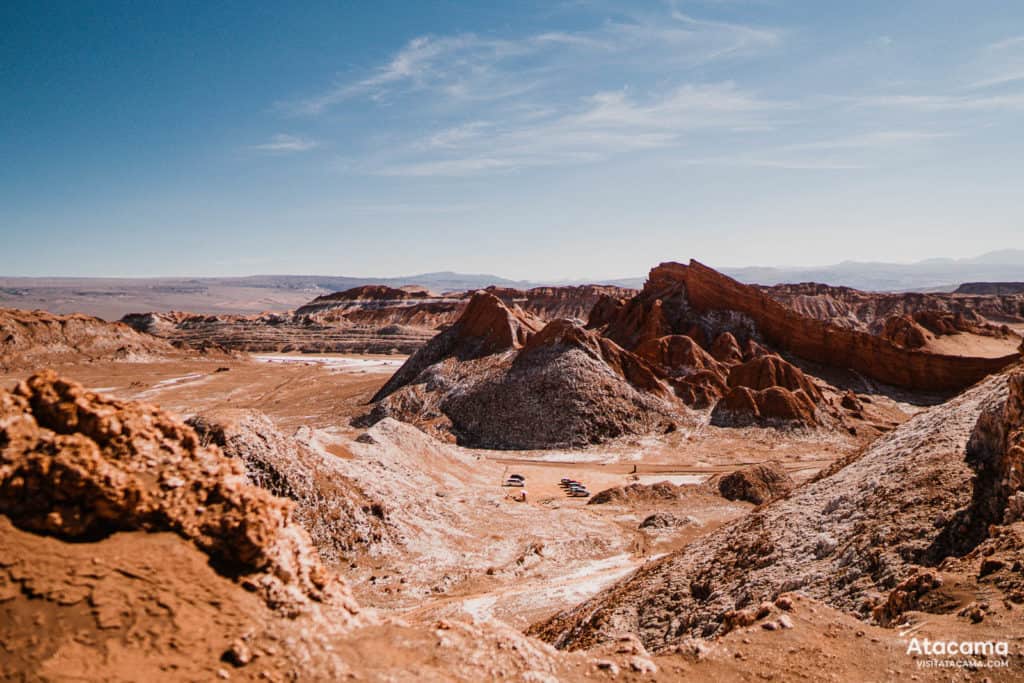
514,482
579,493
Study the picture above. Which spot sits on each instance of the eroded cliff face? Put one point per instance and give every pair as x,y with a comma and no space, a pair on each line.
702,303
368,319
30,339
979,310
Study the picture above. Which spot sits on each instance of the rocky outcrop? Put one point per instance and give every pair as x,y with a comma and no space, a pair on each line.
903,331
768,390
604,310
726,349
996,454
559,335
678,297
666,520
678,356
486,326
369,297
774,406
494,380
757,484
338,515
80,466
765,372
639,493
30,339
847,539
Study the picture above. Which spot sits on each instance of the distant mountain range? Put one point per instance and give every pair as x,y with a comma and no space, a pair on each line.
930,275
112,298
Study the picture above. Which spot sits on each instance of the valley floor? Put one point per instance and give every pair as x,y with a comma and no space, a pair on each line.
488,557
545,555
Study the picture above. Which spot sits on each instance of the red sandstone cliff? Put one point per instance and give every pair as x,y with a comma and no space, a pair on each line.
696,290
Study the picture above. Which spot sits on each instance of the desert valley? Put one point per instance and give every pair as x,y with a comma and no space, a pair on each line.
698,479
540,342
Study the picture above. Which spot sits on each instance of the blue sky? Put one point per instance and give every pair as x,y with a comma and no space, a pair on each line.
530,140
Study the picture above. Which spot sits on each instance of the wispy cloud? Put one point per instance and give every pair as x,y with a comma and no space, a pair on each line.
1006,44
1002,79
468,66
598,127
939,103
872,140
283,143
781,163
1000,63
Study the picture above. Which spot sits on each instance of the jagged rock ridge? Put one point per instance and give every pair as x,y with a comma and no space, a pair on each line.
497,379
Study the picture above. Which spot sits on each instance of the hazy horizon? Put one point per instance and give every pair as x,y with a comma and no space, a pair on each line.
1015,260
566,142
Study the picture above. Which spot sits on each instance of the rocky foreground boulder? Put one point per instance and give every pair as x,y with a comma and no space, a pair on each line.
928,491
81,466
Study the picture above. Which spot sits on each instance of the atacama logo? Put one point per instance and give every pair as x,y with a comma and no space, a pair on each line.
947,648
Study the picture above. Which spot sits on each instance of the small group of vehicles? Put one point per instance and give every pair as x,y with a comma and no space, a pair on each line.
574,489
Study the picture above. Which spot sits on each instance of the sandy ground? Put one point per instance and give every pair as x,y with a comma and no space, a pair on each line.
501,560
963,344
537,547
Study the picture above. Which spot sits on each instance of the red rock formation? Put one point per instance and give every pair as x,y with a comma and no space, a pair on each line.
604,310
701,389
678,355
486,326
553,303
765,372
697,378
754,350
494,325
565,386
726,349
903,331
743,406
706,291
